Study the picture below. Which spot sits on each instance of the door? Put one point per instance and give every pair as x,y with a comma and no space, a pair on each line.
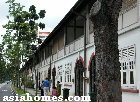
92,84
49,73
53,76
79,78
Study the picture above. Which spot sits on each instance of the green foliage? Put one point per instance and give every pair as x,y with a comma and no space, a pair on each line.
20,38
42,13
22,93
41,25
29,83
18,90
2,66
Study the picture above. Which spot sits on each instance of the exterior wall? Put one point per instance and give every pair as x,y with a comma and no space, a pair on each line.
128,39
69,59
130,97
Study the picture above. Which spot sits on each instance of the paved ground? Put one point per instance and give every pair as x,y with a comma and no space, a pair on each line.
32,92
6,90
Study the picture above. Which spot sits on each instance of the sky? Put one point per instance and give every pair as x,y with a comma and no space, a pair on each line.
55,11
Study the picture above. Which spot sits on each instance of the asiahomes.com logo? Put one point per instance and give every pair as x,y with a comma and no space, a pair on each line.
27,97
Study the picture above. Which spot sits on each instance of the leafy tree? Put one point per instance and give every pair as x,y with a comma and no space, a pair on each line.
20,40
2,65
104,15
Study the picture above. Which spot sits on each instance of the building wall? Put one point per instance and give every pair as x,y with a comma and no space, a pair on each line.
128,35
125,40
130,97
70,59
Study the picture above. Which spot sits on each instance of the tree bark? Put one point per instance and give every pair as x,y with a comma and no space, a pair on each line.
108,77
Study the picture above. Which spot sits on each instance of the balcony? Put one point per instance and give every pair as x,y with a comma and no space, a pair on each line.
68,49
75,45
61,53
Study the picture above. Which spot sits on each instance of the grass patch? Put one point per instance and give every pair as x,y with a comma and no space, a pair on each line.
19,91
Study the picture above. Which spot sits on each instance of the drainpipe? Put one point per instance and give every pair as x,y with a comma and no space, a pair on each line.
85,69
51,57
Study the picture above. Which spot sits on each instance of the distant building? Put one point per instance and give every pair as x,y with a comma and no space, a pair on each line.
43,35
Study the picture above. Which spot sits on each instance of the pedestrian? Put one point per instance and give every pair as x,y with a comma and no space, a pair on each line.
58,89
54,91
42,92
46,86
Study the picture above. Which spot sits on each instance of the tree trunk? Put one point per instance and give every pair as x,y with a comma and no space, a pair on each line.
108,77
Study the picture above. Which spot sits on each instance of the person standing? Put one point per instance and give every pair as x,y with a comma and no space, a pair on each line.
46,86
58,89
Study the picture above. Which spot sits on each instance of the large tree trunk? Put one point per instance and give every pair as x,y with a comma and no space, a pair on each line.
108,77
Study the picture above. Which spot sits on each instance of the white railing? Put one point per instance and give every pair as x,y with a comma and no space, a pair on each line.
75,45
55,57
79,42
61,53
71,47
67,49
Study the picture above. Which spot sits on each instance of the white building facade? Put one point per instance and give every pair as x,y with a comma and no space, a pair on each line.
62,54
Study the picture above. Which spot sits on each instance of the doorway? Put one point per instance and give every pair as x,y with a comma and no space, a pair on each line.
79,78
92,84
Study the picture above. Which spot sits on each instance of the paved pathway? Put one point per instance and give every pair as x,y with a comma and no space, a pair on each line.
32,92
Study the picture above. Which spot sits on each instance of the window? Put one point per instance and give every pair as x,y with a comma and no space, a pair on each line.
127,60
59,73
75,26
55,45
79,27
68,72
46,52
70,32
61,39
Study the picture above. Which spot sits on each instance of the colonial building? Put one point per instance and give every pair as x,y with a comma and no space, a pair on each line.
68,53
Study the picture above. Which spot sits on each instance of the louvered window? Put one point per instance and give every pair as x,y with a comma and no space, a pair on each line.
127,60
59,74
68,68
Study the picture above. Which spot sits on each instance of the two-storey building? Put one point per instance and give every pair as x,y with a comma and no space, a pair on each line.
68,53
